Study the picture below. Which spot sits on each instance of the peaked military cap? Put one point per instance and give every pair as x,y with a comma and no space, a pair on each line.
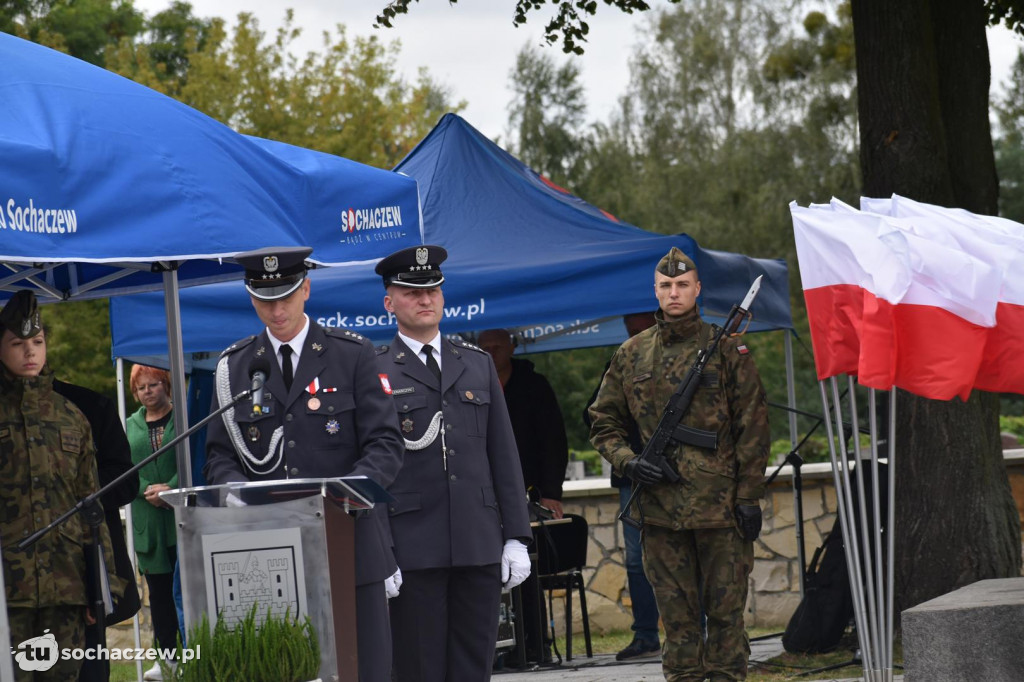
21,315
675,263
416,266
274,273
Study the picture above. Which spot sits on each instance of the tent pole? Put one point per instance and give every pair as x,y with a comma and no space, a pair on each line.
790,387
176,355
793,440
127,511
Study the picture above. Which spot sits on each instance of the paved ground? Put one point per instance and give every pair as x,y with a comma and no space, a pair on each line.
604,668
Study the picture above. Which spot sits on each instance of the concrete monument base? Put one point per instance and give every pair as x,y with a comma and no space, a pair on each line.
974,633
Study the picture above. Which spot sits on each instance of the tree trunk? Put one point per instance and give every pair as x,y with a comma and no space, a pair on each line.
923,78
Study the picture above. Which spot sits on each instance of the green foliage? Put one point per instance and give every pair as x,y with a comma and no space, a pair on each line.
569,25
276,650
81,28
546,116
1009,145
1014,425
593,463
346,99
1010,13
78,344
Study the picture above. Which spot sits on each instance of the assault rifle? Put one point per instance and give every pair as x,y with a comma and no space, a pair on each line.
670,431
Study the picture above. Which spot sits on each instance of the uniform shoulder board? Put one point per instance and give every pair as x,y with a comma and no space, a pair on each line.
237,345
466,344
382,349
340,333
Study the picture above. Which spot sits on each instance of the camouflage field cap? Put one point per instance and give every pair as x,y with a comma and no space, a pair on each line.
21,315
675,263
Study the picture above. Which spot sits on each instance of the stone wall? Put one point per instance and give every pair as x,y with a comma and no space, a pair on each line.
775,581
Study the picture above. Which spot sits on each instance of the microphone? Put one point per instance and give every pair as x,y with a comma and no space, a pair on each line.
259,370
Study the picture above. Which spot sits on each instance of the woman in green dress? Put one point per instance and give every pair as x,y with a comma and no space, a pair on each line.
148,429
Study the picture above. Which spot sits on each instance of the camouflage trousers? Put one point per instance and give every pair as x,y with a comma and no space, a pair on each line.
44,633
691,570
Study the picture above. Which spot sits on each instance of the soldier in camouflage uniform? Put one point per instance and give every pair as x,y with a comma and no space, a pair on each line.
697,534
47,464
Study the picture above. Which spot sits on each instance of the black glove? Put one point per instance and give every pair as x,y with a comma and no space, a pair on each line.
748,517
642,471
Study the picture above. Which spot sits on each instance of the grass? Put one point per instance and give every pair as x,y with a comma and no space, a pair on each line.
784,667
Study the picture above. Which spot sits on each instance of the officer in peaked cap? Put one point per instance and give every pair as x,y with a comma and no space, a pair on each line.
21,315
418,267
274,273
459,516
324,413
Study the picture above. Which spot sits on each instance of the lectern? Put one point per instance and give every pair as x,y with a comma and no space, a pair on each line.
281,546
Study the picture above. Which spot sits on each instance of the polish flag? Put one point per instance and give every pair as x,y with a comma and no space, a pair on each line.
844,268
924,307
999,242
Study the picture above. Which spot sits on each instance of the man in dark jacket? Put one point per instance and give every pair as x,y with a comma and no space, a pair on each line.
324,414
536,420
459,517
113,458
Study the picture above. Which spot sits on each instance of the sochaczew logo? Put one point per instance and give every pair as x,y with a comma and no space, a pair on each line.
377,218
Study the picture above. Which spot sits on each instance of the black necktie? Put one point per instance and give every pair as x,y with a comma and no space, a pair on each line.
432,363
286,365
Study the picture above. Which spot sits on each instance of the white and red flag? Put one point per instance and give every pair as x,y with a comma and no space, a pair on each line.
924,306
843,266
999,242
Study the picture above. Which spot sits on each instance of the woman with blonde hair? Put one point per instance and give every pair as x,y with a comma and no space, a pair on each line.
149,428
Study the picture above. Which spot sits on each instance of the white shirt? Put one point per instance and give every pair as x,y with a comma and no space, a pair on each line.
295,344
417,347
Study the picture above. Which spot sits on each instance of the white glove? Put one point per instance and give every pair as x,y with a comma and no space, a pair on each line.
393,583
515,564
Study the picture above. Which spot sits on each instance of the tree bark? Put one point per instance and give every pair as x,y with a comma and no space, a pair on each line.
923,78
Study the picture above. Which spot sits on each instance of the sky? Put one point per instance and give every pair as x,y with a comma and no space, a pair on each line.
470,47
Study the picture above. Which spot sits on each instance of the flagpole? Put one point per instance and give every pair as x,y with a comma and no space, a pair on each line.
840,477
892,521
880,558
867,532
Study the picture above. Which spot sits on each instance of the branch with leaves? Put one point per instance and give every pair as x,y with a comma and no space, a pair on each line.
567,25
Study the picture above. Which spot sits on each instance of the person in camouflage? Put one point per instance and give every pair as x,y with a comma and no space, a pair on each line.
697,534
47,464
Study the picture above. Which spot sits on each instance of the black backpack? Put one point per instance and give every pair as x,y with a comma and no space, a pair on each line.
821,618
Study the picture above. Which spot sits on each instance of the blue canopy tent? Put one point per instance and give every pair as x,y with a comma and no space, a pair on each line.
108,187
523,254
